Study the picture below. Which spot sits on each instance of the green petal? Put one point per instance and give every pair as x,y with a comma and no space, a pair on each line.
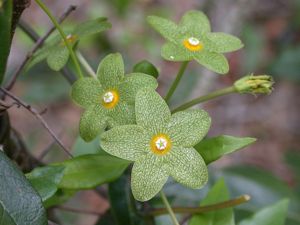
121,114
58,57
194,23
166,28
86,91
187,128
187,167
134,82
92,123
173,52
111,71
127,142
213,61
221,42
148,177
152,112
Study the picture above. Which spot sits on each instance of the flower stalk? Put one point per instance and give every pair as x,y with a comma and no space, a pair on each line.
169,208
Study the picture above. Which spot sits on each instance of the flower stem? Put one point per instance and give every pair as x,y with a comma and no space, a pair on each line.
203,209
85,64
212,95
168,207
177,80
58,27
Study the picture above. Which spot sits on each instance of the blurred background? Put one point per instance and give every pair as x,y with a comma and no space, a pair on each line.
270,30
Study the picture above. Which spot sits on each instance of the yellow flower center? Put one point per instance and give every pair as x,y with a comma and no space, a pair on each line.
110,99
70,38
193,44
160,144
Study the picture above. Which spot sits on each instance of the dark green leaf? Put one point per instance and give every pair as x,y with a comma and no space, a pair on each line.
271,215
146,67
18,199
45,180
89,171
218,193
60,197
5,34
91,27
84,148
214,148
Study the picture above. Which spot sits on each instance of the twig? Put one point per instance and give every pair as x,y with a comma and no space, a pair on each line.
185,219
46,150
83,211
38,44
39,117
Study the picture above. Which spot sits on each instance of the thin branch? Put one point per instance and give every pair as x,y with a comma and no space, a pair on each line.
39,117
39,42
83,211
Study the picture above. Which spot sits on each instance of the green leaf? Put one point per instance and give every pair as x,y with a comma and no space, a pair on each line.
218,193
92,27
60,197
271,215
58,57
83,148
211,149
19,202
45,180
5,34
146,67
89,171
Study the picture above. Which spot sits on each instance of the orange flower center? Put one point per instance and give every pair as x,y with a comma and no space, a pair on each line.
160,144
193,44
110,99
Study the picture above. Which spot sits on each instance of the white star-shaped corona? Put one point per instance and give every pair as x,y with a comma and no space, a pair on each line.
161,144
108,97
193,41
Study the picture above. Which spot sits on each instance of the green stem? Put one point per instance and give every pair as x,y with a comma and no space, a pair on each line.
58,27
169,209
203,209
176,81
86,65
212,95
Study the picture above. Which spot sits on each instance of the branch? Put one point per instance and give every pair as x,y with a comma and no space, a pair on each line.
39,117
39,42
83,211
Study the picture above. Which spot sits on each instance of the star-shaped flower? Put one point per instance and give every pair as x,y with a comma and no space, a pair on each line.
192,39
160,144
109,99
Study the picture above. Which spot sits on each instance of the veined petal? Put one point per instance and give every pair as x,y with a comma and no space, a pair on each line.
174,52
187,167
148,177
122,114
221,42
127,142
187,128
93,122
111,71
152,112
165,27
194,23
86,91
134,82
213,61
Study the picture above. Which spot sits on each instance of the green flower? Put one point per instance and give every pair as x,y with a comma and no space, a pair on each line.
192,39
108,100
160,145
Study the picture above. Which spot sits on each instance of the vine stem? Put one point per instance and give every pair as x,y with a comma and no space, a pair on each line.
62,33
212,95
176,81
85,64
169,209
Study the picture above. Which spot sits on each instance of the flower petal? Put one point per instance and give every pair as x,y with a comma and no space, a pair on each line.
187,167
213,61
127,142
111,71
194,23
221,42
152,112
122,114
86,91
165,27
148,177
187,128
173,52
133,82
93,122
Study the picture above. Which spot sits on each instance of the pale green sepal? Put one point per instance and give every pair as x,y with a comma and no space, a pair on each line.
213,61
187,167
128,142
148,177
86,92
222,43
187,128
